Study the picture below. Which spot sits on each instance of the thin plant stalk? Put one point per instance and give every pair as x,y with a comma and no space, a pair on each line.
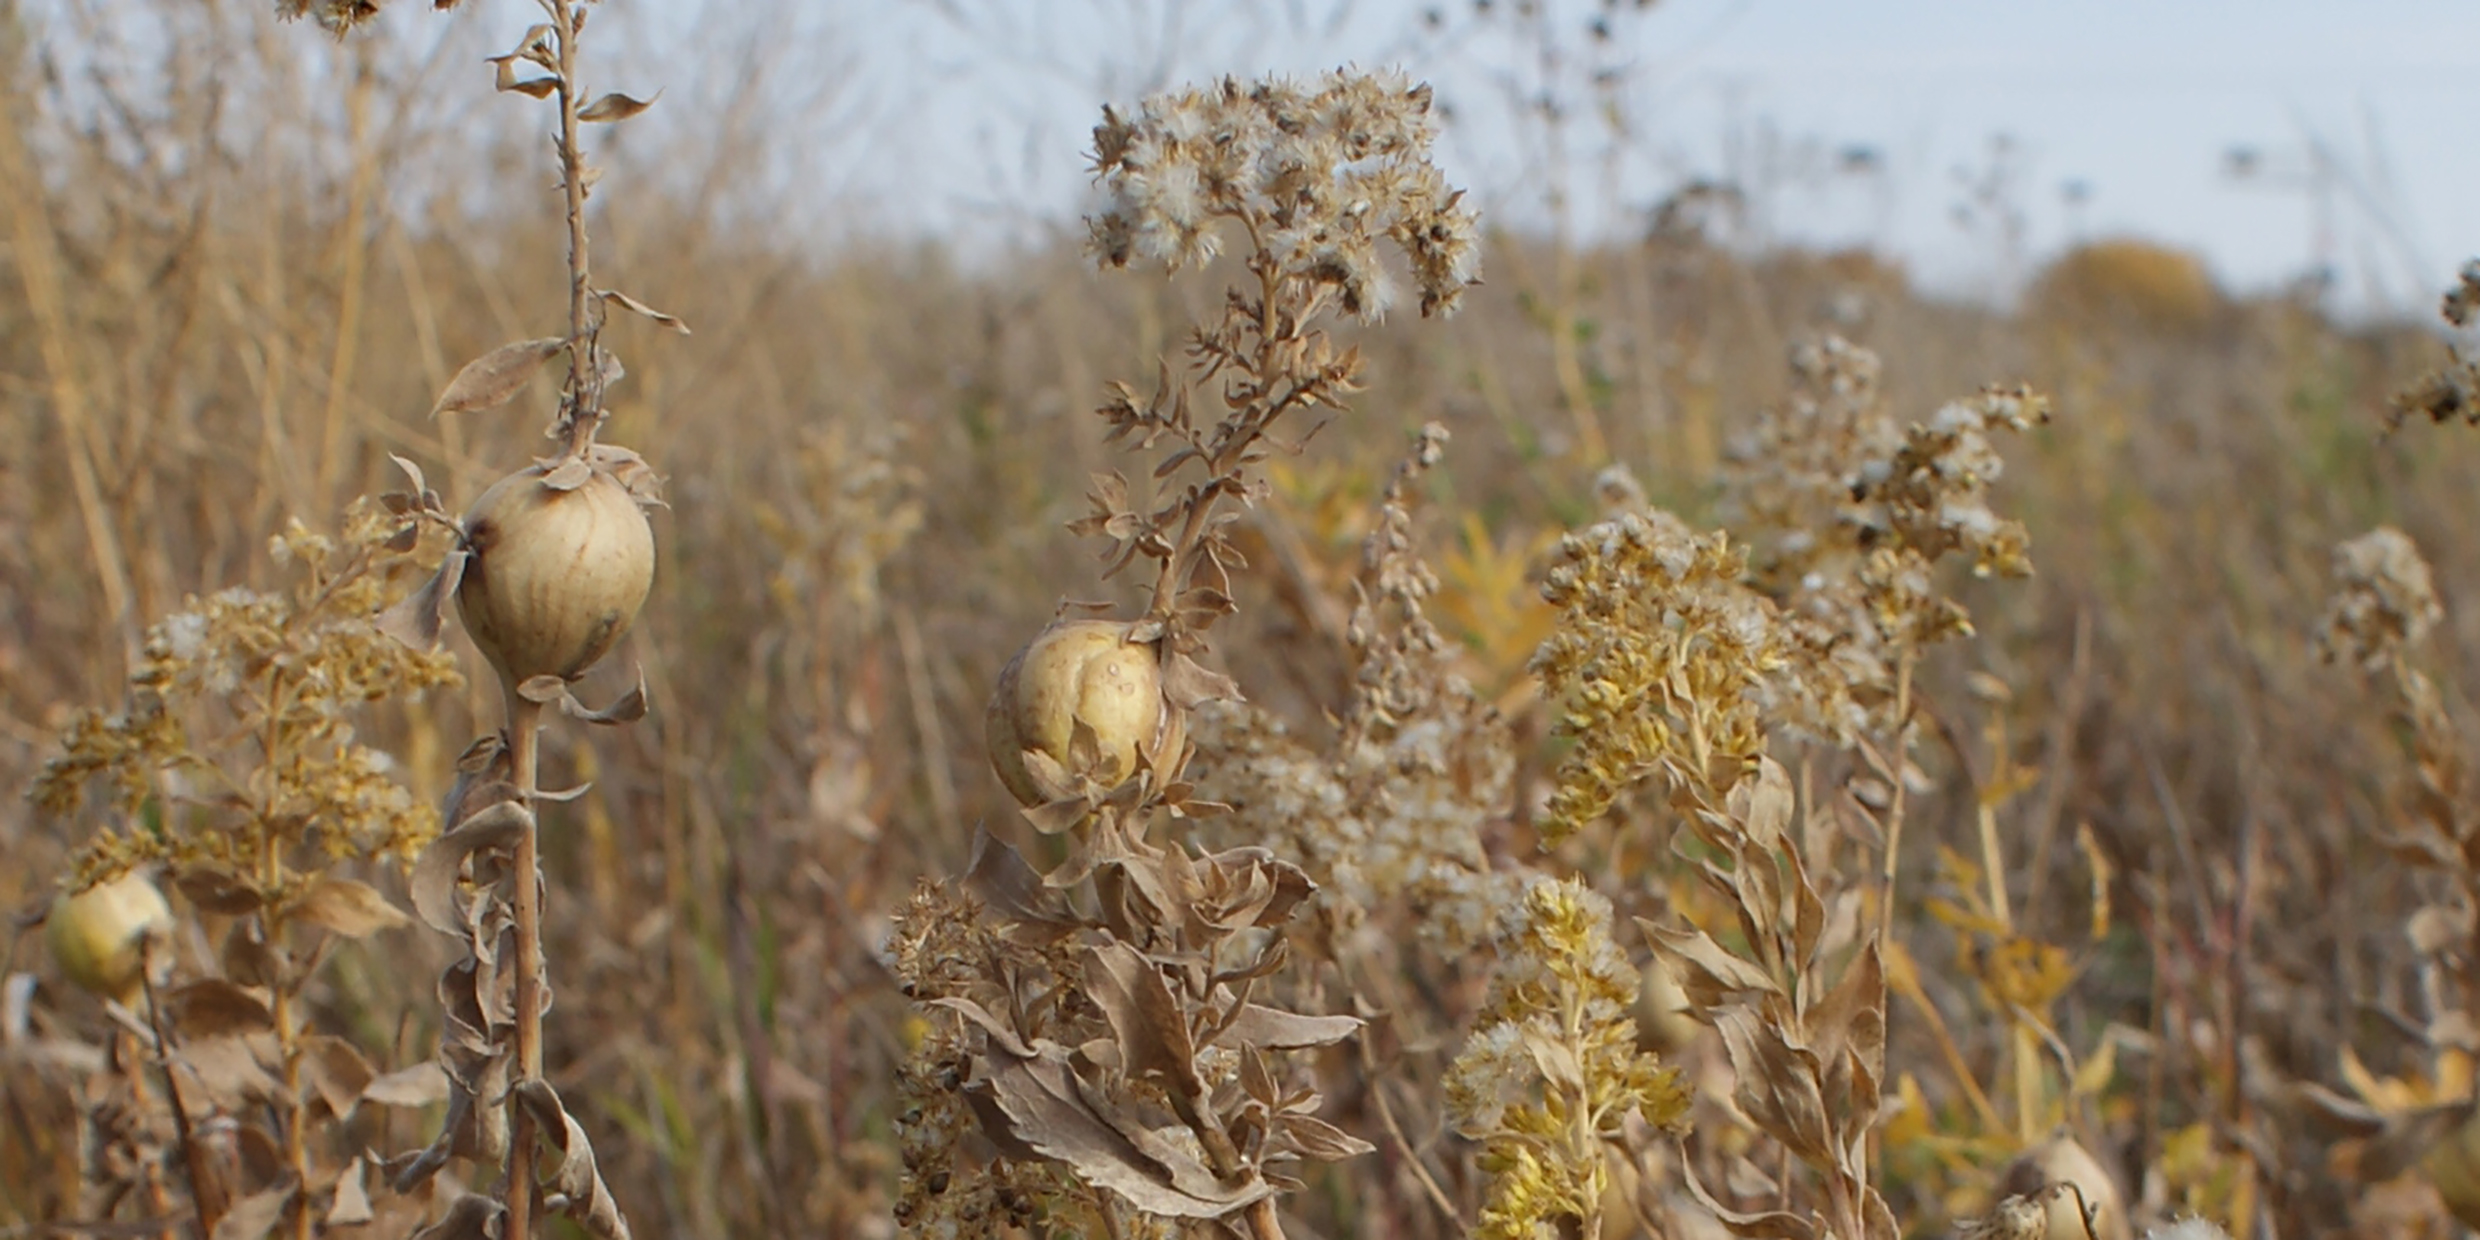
205,1190
524,726
584,381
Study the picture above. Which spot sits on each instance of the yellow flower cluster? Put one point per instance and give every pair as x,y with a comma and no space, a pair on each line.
1659,656
1552,1070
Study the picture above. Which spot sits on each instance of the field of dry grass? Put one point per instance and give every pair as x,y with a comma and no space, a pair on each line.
2154,890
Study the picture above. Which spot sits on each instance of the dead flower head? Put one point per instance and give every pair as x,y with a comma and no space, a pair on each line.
2384,601
1318,177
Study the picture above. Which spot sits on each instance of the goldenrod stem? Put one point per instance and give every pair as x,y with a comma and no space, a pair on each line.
524,723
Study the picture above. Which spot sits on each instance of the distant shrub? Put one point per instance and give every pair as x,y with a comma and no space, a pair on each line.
2138,285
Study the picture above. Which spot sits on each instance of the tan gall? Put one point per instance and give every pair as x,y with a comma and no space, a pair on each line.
98,936
1076,671
556,576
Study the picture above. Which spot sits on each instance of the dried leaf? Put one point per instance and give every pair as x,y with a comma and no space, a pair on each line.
352,909
337,1073
473,1217
488,381
1557,1060
634,306
1764,1225
568,475
1777,1085
418,1086
351,1206
1013,889
1708,974
252,1217
421,485
417,618
543,690
1763,806
219,891
1188,685
217,1008
228,1071
614,107
1036,1102
629,709
247,958
580,1193
1275,1029
1320,1140
1146,1018
506,79
434,875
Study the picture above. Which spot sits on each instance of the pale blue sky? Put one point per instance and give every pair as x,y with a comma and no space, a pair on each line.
970,117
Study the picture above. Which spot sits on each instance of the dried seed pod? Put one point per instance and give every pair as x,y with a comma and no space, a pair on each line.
557,573
1075,672
99,935
2059,1161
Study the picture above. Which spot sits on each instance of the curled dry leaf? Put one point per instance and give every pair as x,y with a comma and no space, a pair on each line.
352,909
630,708
568,475
580,1192
617,298
435,874
473,1217
505,78
488,381
614,107
1031,1097
417,618
542,690
1013,889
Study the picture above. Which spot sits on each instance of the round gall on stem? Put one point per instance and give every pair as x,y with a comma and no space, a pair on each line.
98,936
1075,671
556,575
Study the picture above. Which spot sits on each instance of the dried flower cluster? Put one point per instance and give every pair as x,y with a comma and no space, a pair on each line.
1133,1055
1552,1071
1317,178
2383,604
1852,515
234,764
1675,656
237,743
1394,813
2452,391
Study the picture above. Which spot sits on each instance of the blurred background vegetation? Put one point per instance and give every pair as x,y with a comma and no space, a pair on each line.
238,263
